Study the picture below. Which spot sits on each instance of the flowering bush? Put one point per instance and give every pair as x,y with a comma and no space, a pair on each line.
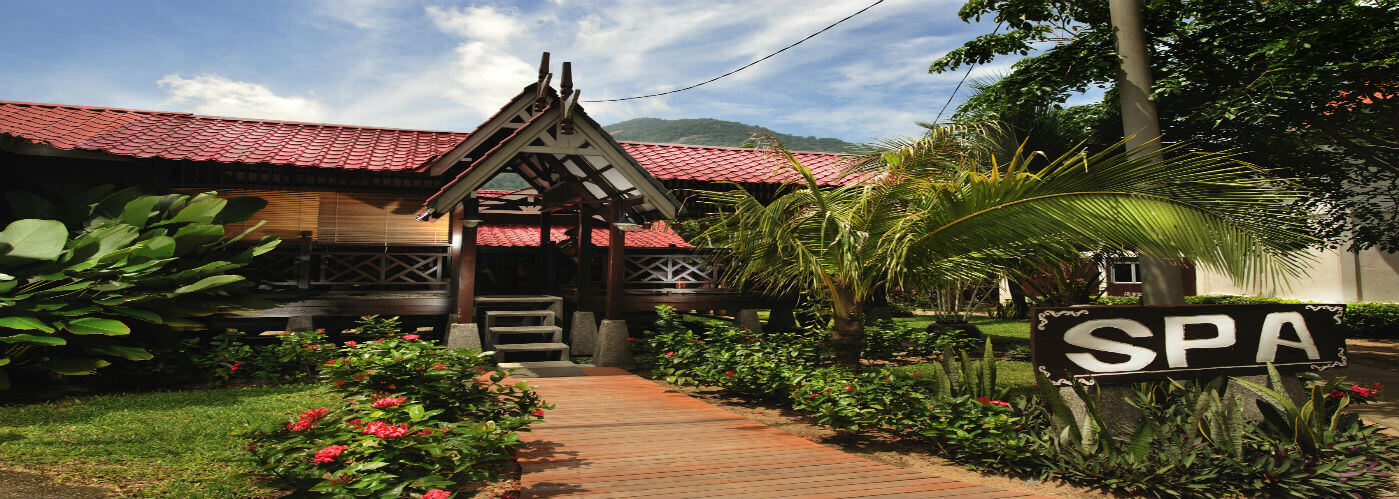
371,448
458,382
419,419
297,355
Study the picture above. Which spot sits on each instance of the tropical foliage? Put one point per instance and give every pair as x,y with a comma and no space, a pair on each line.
1305,86
75,274
950,208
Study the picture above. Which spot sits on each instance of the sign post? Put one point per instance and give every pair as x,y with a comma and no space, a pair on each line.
1116,345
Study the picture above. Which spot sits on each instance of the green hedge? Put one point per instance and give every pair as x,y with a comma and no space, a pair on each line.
1364,320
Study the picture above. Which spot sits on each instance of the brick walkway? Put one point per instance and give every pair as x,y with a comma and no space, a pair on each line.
614,434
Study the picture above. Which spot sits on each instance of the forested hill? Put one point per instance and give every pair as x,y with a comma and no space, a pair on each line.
712,132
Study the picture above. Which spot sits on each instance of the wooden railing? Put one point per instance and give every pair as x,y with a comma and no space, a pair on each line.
303,265
670,270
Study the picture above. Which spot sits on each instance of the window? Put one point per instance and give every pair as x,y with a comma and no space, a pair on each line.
1126,273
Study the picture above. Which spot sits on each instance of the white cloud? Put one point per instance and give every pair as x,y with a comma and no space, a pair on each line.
487,77
482,23
216,95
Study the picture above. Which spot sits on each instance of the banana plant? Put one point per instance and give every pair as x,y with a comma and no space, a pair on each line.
75,274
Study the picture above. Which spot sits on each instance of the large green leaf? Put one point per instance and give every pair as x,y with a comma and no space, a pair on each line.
34,339
201,212
193,236
139,210
29,205
239,209
98,325
32,240
128,353
157,247
78,366
25,322
208,282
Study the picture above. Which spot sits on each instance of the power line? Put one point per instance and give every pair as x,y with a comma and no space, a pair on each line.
745,66
970,67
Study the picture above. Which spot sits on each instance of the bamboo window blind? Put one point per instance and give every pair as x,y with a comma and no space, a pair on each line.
339,217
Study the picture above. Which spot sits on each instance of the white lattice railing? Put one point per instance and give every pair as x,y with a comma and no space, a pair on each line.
669,269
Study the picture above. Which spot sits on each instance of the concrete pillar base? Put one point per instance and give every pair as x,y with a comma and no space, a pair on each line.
748,318
782,318
300,323
613,349
582,334
466,335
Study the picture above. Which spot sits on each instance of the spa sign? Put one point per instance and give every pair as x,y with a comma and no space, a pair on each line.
1114,344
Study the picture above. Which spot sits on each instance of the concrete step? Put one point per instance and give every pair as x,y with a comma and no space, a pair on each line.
494,333
520,317
545,369
501,350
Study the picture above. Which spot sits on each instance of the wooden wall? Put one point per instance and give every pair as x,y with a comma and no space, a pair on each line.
350,218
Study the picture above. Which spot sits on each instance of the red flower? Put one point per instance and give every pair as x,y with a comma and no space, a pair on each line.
359,377
308,420
386,430
1000,403
813,395
320,330
351,343
356,423
729,373
424,432
388,402
849,388
328,454
983,400
822,344
330,362
439,366
378,341
437,494
670,354
315,414
235,365
537,412
631,339
1361,391
339,382
411,337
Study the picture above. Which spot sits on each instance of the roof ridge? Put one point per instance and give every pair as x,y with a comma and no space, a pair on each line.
724,148
223,118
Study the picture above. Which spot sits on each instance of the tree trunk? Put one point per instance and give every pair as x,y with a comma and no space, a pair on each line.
1020,307
847,329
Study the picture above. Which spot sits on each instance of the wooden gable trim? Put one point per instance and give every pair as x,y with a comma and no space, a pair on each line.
514,115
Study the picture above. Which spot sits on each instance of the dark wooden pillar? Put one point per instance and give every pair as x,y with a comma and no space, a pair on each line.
616,263
549,276
464,259
303,264
585,251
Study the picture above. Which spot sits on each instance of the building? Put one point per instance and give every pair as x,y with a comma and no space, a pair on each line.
400,222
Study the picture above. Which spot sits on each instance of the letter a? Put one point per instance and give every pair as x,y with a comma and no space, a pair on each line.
1271,336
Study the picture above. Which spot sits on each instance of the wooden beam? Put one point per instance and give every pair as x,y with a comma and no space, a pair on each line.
585,250
616,264
464,276
545,261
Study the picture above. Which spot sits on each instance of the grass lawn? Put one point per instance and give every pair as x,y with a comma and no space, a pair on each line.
171,444
1015,375
1003,333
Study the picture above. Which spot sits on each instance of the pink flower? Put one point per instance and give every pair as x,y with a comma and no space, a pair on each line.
388,402
1000,403
537,412
308,420
328,454
386,430
411,337
235,365
351,343
315,414
670,354
437,494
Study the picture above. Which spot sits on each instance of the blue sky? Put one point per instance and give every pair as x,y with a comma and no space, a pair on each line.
446,65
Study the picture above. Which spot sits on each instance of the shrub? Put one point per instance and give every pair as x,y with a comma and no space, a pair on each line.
73,275
378,327
296,355
1373,320
418,417
431,375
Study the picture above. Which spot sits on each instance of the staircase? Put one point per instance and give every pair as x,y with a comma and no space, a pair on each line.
523,329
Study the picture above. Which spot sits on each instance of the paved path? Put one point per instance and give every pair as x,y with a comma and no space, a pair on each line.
614,434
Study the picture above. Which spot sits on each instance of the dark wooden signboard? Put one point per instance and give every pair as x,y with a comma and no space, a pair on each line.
1115,344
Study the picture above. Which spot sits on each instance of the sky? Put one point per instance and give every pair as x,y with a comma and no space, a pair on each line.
445,65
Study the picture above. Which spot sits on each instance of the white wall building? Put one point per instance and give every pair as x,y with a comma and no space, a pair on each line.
1334,276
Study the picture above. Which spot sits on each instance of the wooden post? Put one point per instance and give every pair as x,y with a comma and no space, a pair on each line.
585,251
303,263
545,264
616,263
464,247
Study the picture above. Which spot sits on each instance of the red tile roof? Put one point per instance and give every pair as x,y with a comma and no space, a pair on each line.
185,136
522,235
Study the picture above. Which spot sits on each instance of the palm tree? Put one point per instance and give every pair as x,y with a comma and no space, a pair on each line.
945,208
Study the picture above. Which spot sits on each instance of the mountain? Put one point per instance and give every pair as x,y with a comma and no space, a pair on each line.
712,132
